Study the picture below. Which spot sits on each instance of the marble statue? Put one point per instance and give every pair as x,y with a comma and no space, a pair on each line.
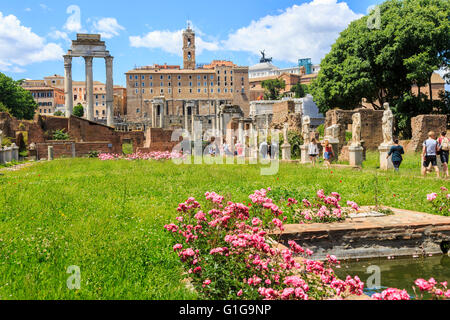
388,124
356,130
306,122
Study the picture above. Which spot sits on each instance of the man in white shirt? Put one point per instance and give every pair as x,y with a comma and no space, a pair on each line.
429,154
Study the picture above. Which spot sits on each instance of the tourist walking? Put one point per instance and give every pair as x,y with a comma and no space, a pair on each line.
226,149
263,149
396,152
328,153
444,148
313,151
429,154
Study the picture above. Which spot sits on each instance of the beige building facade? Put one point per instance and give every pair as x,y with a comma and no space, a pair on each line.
175,93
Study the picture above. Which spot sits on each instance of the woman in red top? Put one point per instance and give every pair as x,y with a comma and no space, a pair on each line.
328,153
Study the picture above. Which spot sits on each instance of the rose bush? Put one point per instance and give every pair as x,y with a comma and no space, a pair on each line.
324,208
440,202
228,251
157,155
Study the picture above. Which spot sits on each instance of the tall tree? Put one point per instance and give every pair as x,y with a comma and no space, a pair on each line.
15,99
382,64
273,88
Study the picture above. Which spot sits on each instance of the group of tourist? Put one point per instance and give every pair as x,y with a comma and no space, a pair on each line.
313,152
432,148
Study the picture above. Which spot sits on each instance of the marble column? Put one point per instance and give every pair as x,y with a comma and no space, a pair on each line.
89,89
186,121
109,91
161,116
68,90
192,120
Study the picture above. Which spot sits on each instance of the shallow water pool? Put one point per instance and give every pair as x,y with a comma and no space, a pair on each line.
380,274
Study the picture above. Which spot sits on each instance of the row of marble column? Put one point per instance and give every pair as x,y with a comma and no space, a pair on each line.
68,88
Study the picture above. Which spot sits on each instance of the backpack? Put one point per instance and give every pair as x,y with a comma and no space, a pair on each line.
445,145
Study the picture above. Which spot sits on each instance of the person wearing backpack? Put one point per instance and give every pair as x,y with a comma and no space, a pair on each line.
429,154
444,148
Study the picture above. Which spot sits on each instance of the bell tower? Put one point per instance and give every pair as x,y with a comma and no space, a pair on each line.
189,48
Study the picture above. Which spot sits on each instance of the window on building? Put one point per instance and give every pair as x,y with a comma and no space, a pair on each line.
151,91
161,77
199,84
179,90
190,90
138,110
131,77
151,84
143,77
169,77
179,77
96,112
150,77
137,91
162,91
198,77
225,90
190,84
143,90
218,90
169,84
190,77
212,77
206,90
170,91
143,84
179,84
103,112
199,90
136,84
212,90
136,77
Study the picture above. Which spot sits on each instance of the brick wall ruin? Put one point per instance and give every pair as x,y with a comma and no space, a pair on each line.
423,124
284,112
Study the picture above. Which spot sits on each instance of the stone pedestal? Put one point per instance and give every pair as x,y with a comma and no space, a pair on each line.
2,155
304,154
7,154
286,151
385,164
356,155
14,152
50,153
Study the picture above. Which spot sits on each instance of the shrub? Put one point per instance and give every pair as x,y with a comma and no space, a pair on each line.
228,250
321,209
440,203
60,135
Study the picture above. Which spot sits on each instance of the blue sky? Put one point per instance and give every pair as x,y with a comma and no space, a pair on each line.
34,34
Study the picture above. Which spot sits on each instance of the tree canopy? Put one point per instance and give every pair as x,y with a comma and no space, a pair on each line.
273,88
16,100
300,90
382,64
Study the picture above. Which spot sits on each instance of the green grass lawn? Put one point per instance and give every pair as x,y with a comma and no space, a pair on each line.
108,217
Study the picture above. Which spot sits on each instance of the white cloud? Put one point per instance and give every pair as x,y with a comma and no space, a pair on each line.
56,35
28,9
107,27
301,31
19,46
171,41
